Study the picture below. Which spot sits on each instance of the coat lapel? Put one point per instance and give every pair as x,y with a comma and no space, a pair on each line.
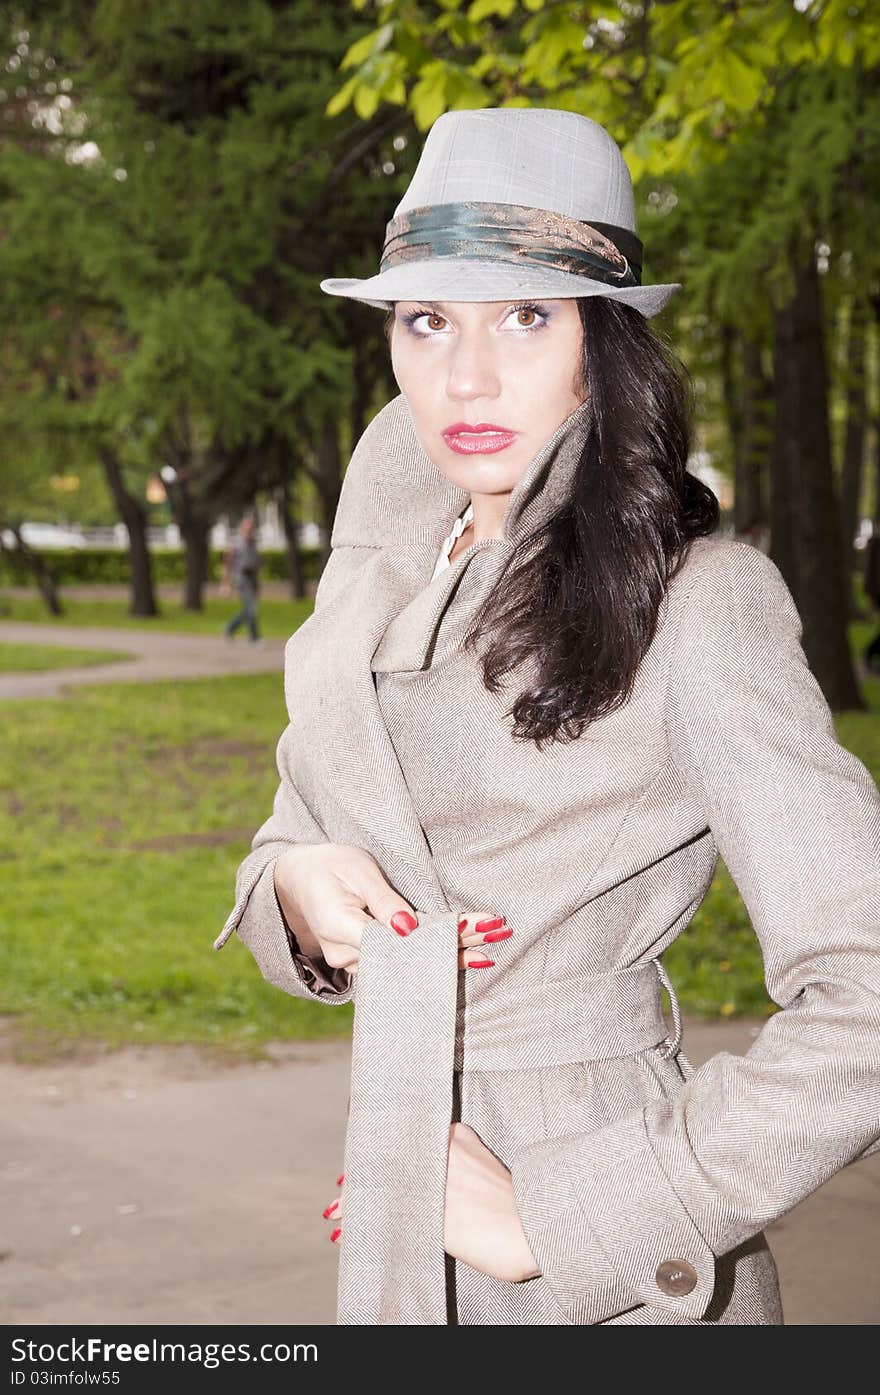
409,638
351,766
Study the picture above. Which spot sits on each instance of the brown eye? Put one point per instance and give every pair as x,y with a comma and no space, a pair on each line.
526,310
435,316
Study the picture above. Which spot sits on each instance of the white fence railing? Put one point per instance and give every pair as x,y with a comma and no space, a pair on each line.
40,535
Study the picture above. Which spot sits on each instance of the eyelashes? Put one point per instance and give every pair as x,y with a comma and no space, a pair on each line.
409,318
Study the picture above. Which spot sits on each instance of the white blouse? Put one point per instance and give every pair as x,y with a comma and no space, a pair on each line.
459,526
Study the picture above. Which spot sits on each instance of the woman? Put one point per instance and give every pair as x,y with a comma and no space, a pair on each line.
538,735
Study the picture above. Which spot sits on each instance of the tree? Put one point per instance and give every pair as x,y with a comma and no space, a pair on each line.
214,196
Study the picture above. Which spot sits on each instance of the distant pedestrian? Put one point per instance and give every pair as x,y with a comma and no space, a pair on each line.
872,591
241,570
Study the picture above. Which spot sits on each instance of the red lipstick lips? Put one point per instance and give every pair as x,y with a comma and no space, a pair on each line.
482,437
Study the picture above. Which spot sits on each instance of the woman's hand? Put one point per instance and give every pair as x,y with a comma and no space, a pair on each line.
327,891
482,1225
333,1212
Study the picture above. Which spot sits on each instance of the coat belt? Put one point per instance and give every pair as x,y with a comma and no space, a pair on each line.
411,1032
591,1017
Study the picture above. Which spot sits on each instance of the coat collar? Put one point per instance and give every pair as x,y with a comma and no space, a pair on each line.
394,497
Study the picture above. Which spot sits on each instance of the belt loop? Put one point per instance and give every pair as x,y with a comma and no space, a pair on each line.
675,1042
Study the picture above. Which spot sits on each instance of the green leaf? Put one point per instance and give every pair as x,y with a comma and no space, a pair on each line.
463,93
482,9
484,64
395,92
561,38
740,84
368,46
366,101
340,100
428,97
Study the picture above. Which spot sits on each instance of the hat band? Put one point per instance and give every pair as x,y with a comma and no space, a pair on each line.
517,234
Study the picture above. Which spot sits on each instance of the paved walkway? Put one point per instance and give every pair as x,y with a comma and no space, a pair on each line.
158,655
150,1186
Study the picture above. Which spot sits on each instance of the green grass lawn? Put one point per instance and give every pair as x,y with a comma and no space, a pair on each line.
278,618
37,658
127,810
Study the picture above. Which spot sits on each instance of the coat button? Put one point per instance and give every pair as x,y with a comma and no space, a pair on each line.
676,1277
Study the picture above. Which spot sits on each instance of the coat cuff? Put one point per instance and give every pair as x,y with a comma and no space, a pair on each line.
260,925
606,1227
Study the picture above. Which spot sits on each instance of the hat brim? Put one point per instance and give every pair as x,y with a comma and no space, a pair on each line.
471,279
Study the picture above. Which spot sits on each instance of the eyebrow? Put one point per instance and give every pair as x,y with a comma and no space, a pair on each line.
442,304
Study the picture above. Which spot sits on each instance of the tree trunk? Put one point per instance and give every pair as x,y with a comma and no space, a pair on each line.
784,480
852,461
196,542
731,397
747,396
757,417
142,599
289,524
42,572
195,531
363,385
874,452
852,458
807,550
329,478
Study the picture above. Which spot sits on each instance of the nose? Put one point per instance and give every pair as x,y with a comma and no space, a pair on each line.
473,374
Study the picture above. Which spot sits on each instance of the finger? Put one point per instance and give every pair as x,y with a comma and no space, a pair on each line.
339,953
482,927
336,1234
474,959
387,905
487,937
395,914
333,1212
340,935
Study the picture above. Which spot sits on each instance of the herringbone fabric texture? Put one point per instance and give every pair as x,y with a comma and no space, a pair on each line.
598,853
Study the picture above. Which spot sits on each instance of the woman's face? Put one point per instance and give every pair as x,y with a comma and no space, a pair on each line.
512,365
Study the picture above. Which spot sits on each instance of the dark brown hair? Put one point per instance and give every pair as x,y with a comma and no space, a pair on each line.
580,598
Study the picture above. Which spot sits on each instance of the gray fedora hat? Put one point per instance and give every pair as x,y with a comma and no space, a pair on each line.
512,201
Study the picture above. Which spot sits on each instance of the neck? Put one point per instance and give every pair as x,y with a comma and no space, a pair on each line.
488,518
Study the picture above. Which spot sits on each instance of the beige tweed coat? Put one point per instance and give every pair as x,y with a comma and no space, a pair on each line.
643,1185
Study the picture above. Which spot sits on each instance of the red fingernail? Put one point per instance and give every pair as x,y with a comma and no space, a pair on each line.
493,924
330,1209
481,963
335,1234
462,923
494,935
403,922
340,1179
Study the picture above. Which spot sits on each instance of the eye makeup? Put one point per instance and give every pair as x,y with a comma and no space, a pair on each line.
409,317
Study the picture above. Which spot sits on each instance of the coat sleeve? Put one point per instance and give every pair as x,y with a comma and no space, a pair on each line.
796,818
256,916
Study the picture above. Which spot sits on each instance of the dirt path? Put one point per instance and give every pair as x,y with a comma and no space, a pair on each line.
157,656
150,1186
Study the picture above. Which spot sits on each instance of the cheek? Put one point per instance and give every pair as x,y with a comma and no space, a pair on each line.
550,383
409,371
416,386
